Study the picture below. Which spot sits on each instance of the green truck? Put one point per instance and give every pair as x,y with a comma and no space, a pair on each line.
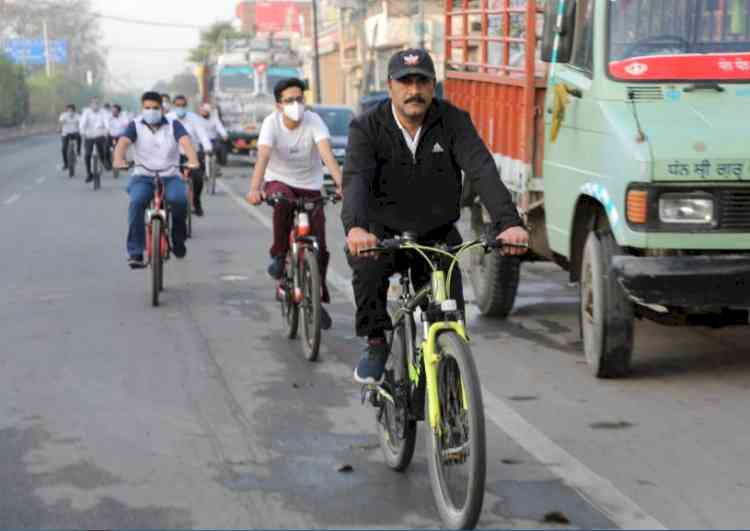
622,128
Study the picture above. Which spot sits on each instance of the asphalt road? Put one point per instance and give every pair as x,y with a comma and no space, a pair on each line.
200,414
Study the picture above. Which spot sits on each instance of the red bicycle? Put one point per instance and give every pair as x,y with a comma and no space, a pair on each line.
300,286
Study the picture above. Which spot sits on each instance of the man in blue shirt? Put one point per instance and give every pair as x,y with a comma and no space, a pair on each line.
157,141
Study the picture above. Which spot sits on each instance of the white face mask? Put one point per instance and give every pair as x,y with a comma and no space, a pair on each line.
294,111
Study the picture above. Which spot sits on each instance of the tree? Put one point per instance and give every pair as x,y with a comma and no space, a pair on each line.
14,96
212,41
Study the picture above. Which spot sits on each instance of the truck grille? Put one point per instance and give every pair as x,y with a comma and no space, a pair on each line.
734,208
645,93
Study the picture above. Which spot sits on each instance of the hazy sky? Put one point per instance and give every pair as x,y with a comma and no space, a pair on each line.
141,69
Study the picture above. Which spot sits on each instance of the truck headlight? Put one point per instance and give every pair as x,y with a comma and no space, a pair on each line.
687,208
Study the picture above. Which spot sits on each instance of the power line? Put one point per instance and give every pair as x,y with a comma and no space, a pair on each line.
141,22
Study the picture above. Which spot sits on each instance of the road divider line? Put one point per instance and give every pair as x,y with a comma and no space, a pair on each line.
12,199
598,491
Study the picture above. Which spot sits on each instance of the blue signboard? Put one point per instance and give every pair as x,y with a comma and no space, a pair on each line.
31,51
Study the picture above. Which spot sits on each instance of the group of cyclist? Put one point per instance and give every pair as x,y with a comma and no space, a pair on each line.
405,162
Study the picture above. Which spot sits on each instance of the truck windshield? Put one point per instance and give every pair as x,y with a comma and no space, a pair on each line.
679,40
237,79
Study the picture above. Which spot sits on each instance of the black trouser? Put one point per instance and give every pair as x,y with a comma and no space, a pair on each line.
101,149
370,281
220,149
65,141
197,177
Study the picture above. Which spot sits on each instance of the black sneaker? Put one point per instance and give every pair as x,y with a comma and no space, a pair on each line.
276,267
136,261
198,211
325,319
89,178
179,250
371,366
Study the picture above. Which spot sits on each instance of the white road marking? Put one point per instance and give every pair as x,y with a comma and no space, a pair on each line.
12,199
600,492
40,180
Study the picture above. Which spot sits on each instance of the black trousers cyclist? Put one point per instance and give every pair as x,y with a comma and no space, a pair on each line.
370,280
220,148
65,141
101,148
197,176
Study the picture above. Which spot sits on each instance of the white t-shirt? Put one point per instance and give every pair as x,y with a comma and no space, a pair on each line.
295,160
70,122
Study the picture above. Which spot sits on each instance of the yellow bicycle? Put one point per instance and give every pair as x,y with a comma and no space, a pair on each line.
436,380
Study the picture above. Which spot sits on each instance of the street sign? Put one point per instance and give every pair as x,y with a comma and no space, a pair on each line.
31,51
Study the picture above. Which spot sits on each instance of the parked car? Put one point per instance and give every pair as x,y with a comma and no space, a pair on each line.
337,118
371,100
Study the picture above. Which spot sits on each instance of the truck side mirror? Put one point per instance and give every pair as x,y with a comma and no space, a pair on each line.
566,30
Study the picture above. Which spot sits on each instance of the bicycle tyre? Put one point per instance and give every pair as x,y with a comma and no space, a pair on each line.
311,306
97,173
189,214
71,159
156,260
397,442
211,167
455,354
289,310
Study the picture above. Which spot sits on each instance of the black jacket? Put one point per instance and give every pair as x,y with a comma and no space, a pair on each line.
387,191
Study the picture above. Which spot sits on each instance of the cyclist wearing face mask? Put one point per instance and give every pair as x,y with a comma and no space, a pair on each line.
291,144
157,142
166,103
95,129
193,124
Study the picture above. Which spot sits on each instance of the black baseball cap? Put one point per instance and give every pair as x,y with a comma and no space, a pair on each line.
414,61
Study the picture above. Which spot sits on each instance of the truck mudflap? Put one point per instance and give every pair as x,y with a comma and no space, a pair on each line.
686,281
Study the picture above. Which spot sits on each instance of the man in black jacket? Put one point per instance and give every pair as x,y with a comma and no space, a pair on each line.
403,173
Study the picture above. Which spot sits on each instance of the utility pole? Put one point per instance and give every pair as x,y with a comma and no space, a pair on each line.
316,55
47,60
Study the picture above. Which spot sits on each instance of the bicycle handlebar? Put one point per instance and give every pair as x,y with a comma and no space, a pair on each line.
399,243
301,203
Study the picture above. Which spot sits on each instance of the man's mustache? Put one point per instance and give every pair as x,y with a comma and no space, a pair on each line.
416,99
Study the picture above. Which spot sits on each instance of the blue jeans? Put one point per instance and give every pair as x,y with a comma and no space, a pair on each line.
141,191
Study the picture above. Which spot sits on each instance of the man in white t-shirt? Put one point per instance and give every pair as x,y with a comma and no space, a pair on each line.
291,144
70,131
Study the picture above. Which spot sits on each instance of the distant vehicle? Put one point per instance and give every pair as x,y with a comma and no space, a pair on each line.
337,118
240,84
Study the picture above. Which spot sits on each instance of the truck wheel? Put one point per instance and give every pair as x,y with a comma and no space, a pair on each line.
494,277
606,313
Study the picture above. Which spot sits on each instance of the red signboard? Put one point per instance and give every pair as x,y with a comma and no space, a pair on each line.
277,16
719,66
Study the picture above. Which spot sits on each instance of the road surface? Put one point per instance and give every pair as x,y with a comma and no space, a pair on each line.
200,414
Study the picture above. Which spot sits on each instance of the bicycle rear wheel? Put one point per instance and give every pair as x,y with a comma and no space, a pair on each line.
397,427
71,158
211,171
311,305
457,449
289,309
156,260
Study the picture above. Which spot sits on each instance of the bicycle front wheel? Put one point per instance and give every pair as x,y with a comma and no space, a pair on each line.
397,427
311,305
156,260
457,448
189,214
